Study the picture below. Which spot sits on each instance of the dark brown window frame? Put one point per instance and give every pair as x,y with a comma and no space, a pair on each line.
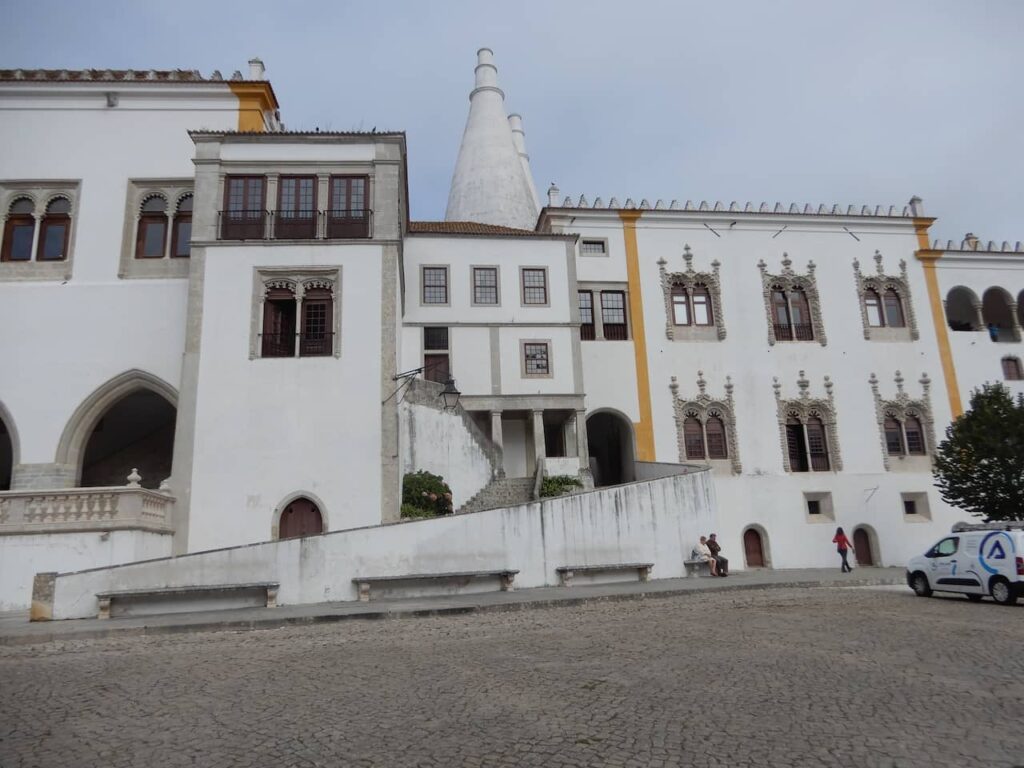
251,226
424,269
587,329
303,224
13,222
180,218
347,222
619,330
527,373
54,220
476,286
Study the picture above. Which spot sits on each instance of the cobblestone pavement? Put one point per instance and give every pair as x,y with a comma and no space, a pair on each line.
786,677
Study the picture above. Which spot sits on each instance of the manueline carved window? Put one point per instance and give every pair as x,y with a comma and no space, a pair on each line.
808,432
693,301
296,314
886,311
792,304
706,425
905,423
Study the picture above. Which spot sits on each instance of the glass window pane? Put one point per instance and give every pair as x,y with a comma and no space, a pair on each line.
536,359
53,241
701,307
680,308
435,285
435,338
183,237
893,310
535,289
21,241
485,285
874,309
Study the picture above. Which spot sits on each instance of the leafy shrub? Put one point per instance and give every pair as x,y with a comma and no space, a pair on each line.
557,485
425,495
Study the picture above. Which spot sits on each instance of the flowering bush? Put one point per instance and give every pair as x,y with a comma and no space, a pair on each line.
425,495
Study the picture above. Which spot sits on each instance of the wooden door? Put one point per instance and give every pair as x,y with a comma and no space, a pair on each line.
753,548
300,518
862,547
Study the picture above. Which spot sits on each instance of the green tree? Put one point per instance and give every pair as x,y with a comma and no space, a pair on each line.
425,495
979,467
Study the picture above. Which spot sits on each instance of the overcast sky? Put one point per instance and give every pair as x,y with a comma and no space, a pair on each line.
863,102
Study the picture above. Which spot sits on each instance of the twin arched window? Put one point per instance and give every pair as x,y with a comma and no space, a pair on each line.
19,243
807,444
705,441
288,317
1012,369
791,314
691,306
885,310
151,234
904,438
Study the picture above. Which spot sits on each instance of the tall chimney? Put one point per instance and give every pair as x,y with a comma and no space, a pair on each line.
256,69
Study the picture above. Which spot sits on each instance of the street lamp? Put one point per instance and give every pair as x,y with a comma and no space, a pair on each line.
450,395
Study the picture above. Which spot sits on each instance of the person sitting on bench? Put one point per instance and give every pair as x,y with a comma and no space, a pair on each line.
703,552
716,552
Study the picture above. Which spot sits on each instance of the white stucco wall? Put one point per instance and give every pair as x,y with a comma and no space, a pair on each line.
22,557
656,521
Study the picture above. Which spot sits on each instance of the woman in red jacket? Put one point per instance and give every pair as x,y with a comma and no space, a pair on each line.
843,545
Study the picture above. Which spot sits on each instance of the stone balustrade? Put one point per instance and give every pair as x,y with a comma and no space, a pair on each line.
85,509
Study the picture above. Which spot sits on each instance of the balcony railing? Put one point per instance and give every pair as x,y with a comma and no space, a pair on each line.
314,344
798,332
294,225
85,509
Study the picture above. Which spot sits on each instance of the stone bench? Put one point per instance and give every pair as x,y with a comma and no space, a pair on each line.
456,578
697,567
186,597
566,572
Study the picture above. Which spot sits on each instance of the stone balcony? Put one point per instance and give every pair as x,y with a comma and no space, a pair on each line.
66,510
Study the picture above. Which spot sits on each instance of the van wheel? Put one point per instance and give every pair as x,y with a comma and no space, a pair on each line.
1002,592
919,583
974,598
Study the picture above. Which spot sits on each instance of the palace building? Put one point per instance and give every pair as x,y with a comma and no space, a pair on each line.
222,333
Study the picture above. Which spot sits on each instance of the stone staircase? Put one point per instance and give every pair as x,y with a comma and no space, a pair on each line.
502,492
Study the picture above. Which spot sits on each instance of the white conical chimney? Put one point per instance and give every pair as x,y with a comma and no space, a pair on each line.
515,122
489,184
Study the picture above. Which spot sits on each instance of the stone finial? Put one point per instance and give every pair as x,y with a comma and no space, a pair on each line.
718,206
811,266
598,202
583,202
702,385
165,485
216,75
899,382
553,195
674,386
613,203
804,384
659,204
917,206
644,205
688,206
970,242
777,387
674,205
873,381
828,387
236,75
787,262
926,384
728,387
629,203
878,262
134,478
688,257
661,262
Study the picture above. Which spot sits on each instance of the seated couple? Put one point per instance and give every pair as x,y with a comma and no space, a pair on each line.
709,550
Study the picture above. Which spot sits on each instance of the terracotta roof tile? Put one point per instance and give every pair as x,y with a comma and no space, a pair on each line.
469,228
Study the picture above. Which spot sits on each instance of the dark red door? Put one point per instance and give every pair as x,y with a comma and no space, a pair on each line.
862,547
300,518
753,549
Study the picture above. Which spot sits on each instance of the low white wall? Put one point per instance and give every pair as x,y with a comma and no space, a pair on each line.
23,556
656,521
438,441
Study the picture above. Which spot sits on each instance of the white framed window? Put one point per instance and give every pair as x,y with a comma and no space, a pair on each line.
486,288
593,246
296,312
533,283
434,285
158,229
536,358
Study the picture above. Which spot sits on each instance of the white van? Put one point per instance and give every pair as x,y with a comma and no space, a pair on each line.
977,560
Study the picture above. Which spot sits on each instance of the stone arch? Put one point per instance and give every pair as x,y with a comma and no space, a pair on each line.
765,548
963,309
71,448
997,309
863,532
10,447
612,444
275,524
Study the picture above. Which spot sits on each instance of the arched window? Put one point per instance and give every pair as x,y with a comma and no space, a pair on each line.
1012,369
54,230
915,436
796,445
317,323
998,316
1020,308
873,305
717,446
181,234
702,306
680,305
278,338
893,437
151,236
893,309
693,438
19,231
817,446
961,310
801,312
780,315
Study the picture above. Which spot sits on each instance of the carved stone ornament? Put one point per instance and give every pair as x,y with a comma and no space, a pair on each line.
803,407
701,408
903,406
689,279
880,283
788,280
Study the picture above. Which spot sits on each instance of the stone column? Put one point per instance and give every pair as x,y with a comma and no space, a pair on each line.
538,434
498,440
582,447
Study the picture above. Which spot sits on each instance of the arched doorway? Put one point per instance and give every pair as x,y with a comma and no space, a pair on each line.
961,309
864,546
996,310
136,432
301,517
6,453
754,548
610,437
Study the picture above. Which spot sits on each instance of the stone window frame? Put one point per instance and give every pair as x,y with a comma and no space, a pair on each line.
827,512
447,285
880,283
789,280
701,407
298,280
1014,362
472,285
595,289
602,240
804,407
139,191
522,359
922,509
900,407
689,279
522,286
41,193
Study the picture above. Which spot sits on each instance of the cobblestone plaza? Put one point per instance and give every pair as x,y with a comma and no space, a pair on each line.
782,677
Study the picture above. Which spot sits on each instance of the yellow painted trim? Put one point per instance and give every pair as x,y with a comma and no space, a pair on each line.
644,428
928,258
254,99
